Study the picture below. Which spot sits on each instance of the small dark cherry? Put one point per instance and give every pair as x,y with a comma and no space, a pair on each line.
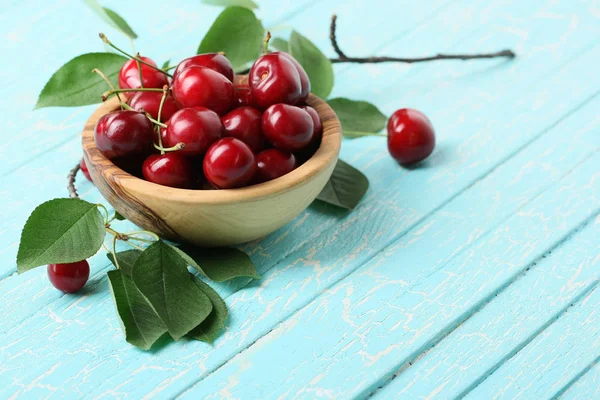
411,137
288,128
197,127
150,102
70,277
123,133
229,163
202,87
273,163
215,61
84,170
274,79
170,169
244,123
304,79
129,76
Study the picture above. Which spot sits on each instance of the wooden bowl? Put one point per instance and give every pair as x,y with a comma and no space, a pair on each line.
214,217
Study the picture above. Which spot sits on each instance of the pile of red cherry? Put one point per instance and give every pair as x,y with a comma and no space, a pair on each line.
221,134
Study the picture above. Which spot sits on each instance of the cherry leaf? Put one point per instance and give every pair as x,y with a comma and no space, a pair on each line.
60,231
315,63
212,326
112,18
345,188
280,44
161,275
238,33
219,264
357,116
74,84
226,3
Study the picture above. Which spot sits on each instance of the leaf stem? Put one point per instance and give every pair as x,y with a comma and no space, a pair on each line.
108,42
171,67
114,252
105,211
154,235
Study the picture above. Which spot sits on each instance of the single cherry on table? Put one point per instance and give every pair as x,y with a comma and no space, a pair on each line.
229,163
198,86
150,103
129,76
411,137
197,127
69,277
244,123
273,163
287,127
274,79
170,169
123,133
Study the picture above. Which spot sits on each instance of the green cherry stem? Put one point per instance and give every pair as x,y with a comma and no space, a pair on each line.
114,252
163,150
128,107
152,234
160,108
97,71
357,134
139,68
266,42
106,213
108,42
107,95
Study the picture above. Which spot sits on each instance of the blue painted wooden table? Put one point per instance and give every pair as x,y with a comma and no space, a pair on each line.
475,275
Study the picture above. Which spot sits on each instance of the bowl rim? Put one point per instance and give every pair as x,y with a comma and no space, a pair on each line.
327,153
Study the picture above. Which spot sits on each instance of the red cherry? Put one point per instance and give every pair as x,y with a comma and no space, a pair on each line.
169,169
318,125
304,80
288,128
229,163
203,87
69,277
273,163
123,133
129,76
215,61
150,102
243,95
244,123
274,79
197,127
84,169
410,136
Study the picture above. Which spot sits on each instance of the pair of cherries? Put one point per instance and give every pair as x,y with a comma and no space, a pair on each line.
240,134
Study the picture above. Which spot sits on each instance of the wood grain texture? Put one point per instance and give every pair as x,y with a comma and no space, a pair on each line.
505,184
215,217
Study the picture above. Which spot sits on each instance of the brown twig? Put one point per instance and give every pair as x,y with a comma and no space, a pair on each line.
343,58
71,182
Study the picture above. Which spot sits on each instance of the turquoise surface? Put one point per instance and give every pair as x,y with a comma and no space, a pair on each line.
475,275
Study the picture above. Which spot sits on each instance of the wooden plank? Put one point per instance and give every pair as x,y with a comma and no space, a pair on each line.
185,362
585,387
552,359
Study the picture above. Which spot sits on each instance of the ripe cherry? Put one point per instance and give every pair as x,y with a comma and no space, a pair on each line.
150,102
129,76
84,170
244,123
215,61
123,133
318,125
274,79
197,127
273,163
229,163
69,277
203,87
304,80
288,128
243,95
170,169
411,137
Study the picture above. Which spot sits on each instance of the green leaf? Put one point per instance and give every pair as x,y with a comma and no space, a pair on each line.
212,326
317,65
280,44
345,188
139,320
165,65
112,18
357,116
119,217
238,33
60,231
74,84
226,3
219,264
126,260
162,276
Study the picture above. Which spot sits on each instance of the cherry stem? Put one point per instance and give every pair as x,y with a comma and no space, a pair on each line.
266,42
160,107
139,67
107,214
108,94
163,150
152,234
171,67
357,134
114,252
108,42
71,182
343,58
128,107
112,87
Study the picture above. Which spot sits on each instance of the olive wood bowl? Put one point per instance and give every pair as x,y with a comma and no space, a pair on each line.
214,217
